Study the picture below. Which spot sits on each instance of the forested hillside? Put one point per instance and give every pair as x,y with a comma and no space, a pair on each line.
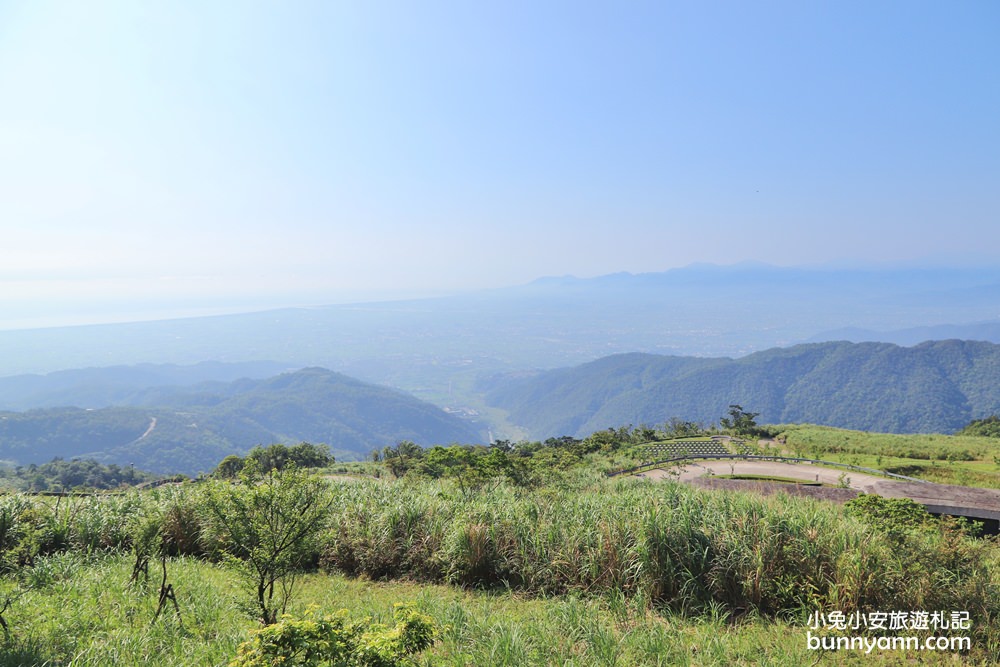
936,386
189,430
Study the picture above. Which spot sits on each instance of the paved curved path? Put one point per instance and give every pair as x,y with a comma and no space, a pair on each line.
804,472
939,498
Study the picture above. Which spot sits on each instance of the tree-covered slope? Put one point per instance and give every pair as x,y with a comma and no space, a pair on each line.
988,427
191,429
936,386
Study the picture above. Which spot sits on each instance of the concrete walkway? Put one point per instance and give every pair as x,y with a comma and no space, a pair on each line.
939,498
804,472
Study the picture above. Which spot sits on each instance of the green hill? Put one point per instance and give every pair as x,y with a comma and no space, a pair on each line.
189,430
937,386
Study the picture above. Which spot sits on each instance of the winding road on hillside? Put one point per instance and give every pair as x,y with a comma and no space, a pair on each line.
152,426
149,429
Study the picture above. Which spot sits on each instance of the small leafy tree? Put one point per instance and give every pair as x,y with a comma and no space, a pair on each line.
400,458
277,457
308,455
229,467
740,421
268,525
676,427
474,468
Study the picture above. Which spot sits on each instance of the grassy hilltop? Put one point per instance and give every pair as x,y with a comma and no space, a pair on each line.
966,460
520,554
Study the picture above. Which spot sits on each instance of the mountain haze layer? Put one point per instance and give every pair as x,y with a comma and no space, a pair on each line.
985,331
120,385
436,348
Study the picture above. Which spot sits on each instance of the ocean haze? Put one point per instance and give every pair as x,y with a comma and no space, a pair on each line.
51,305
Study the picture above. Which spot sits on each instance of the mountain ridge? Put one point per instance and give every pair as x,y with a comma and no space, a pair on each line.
936,386
190,429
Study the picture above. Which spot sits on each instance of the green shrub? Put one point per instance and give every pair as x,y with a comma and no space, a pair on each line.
337,641
17,536
889,514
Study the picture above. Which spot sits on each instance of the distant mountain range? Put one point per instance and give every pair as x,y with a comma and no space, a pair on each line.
437,348
191,428
932,387
167,418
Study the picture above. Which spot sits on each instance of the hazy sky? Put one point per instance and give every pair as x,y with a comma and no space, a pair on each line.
209,154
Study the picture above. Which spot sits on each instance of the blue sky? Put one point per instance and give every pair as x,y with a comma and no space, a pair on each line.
164,157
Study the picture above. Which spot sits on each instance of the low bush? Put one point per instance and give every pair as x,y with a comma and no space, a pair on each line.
335,639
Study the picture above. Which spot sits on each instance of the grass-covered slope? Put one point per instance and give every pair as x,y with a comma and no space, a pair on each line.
591,571
933,387
191,430
78,611
965,460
